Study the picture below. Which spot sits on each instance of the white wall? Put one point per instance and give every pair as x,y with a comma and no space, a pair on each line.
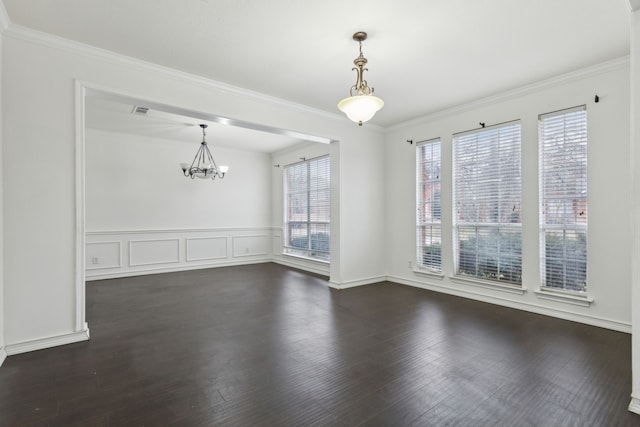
609,240
279,160
135,183
635,208
3,354
144,216
40,225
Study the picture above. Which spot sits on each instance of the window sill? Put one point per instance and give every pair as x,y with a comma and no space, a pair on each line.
512,289
300,257
428,273
582,301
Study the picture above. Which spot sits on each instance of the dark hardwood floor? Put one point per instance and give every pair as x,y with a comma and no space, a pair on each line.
268,346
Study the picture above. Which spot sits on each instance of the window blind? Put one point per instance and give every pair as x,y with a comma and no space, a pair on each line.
563,194
487,195
308,208
428,233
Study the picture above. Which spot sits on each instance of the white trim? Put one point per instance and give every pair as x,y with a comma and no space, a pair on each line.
582,73
428,273
5,21
186,248
3,355
250,254
634,406
303,264
178,230
27,34
79,208
42,343
131,242
118,265
302,257
601,322
189,267
354,283
486,284
584,301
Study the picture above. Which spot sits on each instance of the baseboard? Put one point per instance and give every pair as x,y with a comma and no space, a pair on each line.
3,355
131,273
42,343
525,306
634,406
354,283
301,265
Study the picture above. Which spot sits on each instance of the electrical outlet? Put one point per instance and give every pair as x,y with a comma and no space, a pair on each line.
95,260
410,264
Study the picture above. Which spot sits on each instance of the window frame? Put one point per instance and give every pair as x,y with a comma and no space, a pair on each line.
435,202
308,252
497,266
577,199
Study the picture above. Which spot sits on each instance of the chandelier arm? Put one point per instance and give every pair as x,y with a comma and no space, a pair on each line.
213,162
194,160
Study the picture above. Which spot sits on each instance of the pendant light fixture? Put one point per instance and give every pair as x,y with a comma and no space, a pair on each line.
361,105
203,166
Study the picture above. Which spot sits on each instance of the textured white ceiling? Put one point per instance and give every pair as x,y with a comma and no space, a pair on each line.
424,55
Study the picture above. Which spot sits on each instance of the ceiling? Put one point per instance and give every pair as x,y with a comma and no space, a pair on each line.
424,55
113,113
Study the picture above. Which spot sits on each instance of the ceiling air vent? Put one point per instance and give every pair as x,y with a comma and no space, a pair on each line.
139,110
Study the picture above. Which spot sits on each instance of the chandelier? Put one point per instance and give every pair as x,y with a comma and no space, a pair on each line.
361,105
203,166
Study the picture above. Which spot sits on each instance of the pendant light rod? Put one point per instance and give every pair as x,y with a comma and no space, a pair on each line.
361,87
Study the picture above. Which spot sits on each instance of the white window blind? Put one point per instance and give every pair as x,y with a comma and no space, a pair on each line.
563,194
487,194
308,208
428,233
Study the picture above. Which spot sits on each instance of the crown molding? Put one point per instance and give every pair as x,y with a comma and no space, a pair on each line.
20,32
4,18
518,92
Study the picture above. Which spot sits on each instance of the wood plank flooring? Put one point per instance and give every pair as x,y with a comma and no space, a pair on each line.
265,345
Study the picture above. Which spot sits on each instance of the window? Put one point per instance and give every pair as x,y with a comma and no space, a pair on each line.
307,208
428,205
487,224
563,195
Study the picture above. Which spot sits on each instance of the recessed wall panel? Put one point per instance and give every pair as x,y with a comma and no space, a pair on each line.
158,251
206,248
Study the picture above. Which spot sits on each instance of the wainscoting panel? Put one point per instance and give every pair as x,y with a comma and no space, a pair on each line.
153,251
244,246
100,255
206,248
122,253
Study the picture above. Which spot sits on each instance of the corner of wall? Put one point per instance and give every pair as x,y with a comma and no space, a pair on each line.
4,17
4,23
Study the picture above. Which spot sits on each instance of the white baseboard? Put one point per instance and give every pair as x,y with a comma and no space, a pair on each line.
634,406
3,355
354,283
302,265
160,269
42,343
525,306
